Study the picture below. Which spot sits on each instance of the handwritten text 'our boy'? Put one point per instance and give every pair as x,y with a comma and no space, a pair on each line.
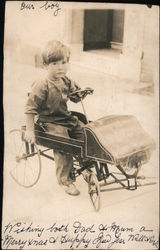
45,5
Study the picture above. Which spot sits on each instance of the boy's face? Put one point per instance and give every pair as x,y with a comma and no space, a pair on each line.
58,69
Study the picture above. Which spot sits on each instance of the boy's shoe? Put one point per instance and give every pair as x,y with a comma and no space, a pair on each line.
71,189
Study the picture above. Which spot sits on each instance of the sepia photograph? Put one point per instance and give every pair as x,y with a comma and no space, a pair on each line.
81,126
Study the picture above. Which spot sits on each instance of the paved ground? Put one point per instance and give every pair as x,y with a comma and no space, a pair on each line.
46,202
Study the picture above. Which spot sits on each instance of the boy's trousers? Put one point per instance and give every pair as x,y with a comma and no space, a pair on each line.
64,162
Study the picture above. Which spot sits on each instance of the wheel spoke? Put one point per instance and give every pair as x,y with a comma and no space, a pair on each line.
26,168
94,191
31,168
24,174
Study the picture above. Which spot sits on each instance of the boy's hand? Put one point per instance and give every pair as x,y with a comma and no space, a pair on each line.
29,136
81,93
85,92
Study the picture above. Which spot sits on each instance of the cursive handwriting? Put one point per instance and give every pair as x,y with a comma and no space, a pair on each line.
101,239
118,230
143,229
143,238
78,228
11,241
51,6
47,6
76,240
23,235
27,6
117,240
20,227
33,242
60,228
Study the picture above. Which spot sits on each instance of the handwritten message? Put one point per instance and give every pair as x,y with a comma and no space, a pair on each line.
24,235
44,5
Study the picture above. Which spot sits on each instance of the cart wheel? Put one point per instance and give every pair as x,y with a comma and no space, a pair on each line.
94,191
24,159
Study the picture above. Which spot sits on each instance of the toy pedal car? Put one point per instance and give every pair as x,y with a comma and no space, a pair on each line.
116,142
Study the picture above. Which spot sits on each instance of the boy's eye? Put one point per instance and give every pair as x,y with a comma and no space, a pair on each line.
54,63
64,62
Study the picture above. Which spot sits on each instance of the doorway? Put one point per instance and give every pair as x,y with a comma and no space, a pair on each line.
103,29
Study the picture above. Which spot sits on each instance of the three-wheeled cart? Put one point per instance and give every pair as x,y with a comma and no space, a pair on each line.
112,143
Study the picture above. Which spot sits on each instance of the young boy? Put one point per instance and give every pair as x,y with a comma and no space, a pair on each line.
48,99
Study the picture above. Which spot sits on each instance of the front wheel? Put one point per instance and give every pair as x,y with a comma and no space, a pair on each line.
94,191
24,159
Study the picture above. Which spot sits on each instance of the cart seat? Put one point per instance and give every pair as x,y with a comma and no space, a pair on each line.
117,137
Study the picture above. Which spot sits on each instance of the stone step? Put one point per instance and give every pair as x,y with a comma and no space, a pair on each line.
102,63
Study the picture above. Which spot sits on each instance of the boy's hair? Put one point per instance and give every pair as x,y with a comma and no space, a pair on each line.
55,51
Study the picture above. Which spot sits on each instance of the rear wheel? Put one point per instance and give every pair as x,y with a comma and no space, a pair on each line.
24,159
94,191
